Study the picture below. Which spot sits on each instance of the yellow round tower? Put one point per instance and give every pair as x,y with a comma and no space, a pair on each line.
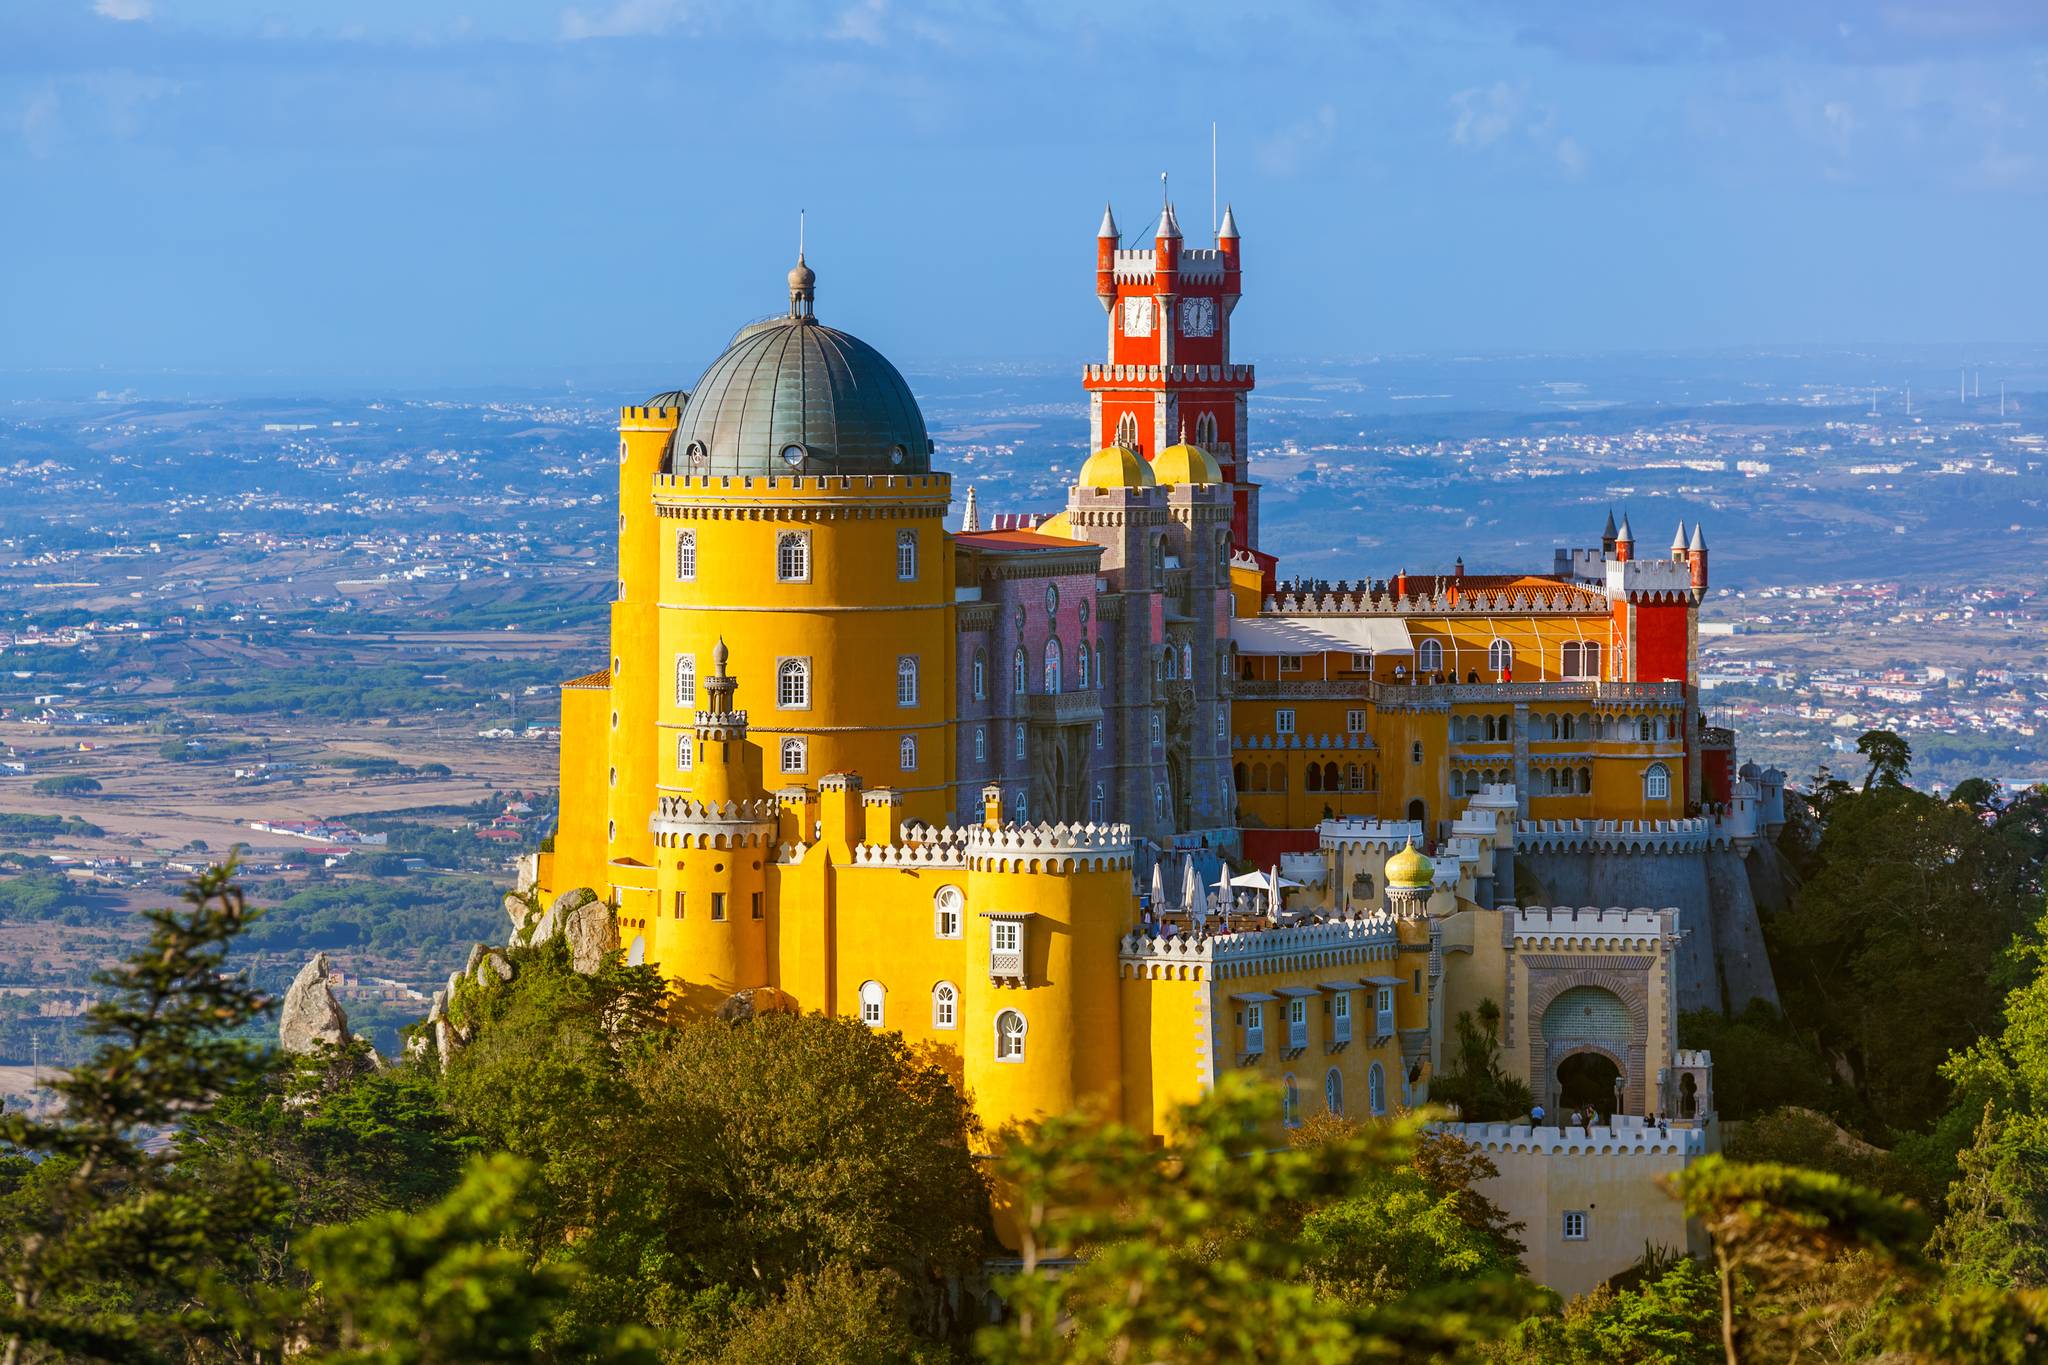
708,927
801,523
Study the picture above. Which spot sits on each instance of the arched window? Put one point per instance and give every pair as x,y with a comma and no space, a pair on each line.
1009,1036
686,556
1240,777
906,555
1017,741
945,1006
1429,657
1052,667
871,994
793,685
793,557
1589,661
1156,728
906,680
946,906
1127,431
1313,779
980,674
1657,783
1290,1102
1571,665
980,745
686,752
1330,777
1586,781
1571,726
1081,668
1556,728
1205,429
795,755
1376,1088
1158,563
1644,730
1187,661
1333,1090
906,753
1171,662
686,681
1098,666
1020,670
1500,656
1259,778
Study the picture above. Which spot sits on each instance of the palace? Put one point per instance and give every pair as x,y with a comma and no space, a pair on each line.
988,786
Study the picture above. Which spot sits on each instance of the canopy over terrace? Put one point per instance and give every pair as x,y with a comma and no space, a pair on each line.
1321,635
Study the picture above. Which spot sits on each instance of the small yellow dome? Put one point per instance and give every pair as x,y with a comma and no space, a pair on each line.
1408,868
1116,467
1186,464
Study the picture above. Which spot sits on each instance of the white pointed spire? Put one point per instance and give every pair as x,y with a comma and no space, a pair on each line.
1624,534
1228,232
1108,228
1169,226
970,517
1678,536
1699,539
1607,531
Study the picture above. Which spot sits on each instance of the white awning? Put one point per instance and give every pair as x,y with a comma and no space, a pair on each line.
1321,635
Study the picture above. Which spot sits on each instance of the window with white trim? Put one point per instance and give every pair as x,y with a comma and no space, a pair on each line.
1376,1089
871,996
906,556
793,557
1575,1225
1017,741
1158,729
1500,656
1052,667
1429,656
945,1005
1333,1091
1004,936
1255,1027
793,685
1290,663
1354,722
980,745
1297,1022
906,753
686,556
1340,1017
1020,672
1361,662
1009,1036
1283,721
906,680
796,755
946,907
1290,1102
1657,783
686,752
686,681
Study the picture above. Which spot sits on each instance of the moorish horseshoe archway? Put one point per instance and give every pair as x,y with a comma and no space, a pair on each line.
1624,978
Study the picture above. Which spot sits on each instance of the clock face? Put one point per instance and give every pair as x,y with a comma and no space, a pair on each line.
1198,317
1137,317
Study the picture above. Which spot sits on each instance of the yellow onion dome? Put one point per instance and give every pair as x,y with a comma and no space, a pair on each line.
1409,868
1116,467
1186,464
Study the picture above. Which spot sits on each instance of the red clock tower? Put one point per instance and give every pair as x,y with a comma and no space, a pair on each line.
1169,376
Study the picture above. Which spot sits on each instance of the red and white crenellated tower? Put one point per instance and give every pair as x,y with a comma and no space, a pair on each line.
1169,377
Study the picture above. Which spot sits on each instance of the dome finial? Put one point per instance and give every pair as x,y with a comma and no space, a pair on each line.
803,280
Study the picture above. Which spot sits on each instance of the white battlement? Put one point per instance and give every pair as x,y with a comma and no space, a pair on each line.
1379,599
1667,579
1692,1056
910,855
1588,924
1301,741
1357,832
1330,943
1628,1135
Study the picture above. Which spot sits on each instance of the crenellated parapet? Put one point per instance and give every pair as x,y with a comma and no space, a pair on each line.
1356,832
1629,1137
1581,927
681,822
910,855
1050,848
1380,598
1690,835
1359,743
1329,943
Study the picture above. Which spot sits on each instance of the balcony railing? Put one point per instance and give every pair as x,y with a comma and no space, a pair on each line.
1255,1040
1340,1029
1297,1034
1064,708
1269,689
1006,966
1383,1024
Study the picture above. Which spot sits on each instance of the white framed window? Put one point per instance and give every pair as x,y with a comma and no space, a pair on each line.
1081,667
946,907
1017,741
980,675
1361,662
686,753
1222,725
945,1005
1500,656
1297,1022
871,997
686,556
1187,661
906,556
796,755
1570,660
1127,425
1290,663
1020,672
1589,660
793,557
1010,1036
980,745
1383,1011
1283,721
1333,1091
1052,667
1255,1028
793,685
686,681
1290,1102
1376,1089
1021,803
906,753
1354,722
1340,1017
1575,1225
1657,783
1099,680
1157,729
1429,656
1005,935
906,680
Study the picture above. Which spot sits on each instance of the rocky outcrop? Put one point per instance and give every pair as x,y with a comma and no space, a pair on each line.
311,1017
591,931
747,1004
582,921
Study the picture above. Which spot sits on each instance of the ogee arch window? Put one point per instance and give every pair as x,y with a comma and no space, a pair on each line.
1052,666
906,753
793,557
871,997
1010,1028
793,684
795,755
906,680
686,681
906,555
686,556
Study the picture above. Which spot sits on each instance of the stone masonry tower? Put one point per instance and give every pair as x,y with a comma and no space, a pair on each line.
1169,369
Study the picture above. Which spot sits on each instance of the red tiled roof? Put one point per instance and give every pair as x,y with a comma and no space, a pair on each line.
1018,540
601,678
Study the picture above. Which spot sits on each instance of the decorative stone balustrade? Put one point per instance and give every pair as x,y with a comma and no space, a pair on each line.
1626,1135
1231,376
1689,835
1332,943
1587,926
1333,742
1063,708
1379,599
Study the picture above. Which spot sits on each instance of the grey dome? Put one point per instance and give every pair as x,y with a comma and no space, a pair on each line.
793,382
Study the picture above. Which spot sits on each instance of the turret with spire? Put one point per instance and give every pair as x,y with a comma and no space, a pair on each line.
1624,541
1607,535
1678,541
1696,557
1106,239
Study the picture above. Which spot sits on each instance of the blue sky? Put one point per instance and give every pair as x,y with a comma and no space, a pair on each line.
388,187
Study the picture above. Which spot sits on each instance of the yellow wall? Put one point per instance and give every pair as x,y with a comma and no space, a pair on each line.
580,851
